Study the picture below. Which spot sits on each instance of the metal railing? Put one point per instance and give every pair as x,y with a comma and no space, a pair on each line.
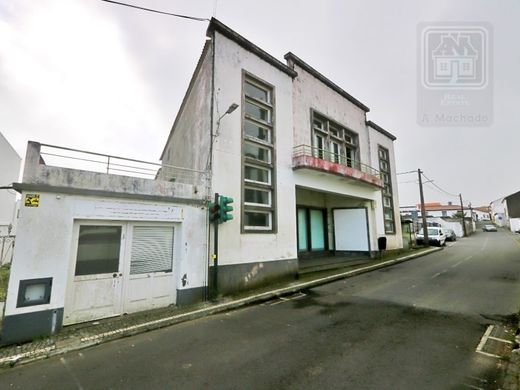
307,150
63,157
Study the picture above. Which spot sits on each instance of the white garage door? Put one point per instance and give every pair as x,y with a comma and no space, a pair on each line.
351,229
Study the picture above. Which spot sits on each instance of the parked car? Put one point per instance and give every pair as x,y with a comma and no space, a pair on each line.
450,235
436,236
489,228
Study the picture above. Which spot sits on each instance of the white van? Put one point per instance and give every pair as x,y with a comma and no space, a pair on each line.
436,236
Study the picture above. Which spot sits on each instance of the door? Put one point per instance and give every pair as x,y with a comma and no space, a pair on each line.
119,268
351,229
96,283
311,229
150,281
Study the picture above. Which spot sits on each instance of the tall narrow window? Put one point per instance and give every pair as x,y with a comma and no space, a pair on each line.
333,142
388,201
258,191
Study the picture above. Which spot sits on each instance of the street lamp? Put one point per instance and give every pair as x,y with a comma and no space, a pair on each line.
231,108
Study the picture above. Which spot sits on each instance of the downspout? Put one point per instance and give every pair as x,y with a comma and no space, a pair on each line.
210,171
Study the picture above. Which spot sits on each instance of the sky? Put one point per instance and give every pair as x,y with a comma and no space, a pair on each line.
100,77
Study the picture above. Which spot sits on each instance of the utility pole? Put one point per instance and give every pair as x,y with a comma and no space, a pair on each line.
462,211
214,289
423,210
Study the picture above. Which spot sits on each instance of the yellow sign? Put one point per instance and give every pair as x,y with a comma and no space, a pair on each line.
32,200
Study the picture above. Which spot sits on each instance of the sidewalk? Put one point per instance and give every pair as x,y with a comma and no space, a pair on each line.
76,337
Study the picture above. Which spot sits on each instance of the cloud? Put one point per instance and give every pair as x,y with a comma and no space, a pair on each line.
70,80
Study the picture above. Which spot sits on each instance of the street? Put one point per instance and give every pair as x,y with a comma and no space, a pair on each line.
411,326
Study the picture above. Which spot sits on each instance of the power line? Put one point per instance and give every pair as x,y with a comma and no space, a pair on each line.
404,173
446,192
157,11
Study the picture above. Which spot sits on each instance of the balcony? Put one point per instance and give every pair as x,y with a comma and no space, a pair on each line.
310,157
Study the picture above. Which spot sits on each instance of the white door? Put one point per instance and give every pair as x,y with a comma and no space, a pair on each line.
351,229
96,280
150,281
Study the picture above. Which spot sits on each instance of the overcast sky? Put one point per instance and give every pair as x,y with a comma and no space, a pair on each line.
91,75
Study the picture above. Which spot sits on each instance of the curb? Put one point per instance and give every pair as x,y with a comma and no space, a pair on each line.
89,341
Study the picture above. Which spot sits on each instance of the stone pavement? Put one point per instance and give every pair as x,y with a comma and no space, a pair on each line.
76,337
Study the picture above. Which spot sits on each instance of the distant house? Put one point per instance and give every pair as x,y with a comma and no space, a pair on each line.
9,172
506,211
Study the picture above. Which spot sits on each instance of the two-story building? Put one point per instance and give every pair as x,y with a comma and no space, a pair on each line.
311,178
309,174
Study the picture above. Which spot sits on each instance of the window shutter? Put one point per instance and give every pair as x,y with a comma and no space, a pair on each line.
152,249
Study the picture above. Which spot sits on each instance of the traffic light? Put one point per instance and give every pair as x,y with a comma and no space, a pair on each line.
214,212
225,208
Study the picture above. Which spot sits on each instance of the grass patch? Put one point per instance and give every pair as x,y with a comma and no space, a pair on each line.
4,279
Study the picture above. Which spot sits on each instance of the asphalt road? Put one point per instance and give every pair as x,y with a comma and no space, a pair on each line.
412,326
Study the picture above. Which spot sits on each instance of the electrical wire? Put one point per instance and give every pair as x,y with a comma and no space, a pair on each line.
157,11
404,173
444,191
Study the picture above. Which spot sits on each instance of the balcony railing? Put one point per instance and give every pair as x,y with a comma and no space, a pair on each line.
306,156
63,157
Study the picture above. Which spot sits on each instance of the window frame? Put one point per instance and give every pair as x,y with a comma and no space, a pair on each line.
268,166
387,191
331,133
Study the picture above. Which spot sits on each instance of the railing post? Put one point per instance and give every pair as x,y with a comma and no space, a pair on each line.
108,164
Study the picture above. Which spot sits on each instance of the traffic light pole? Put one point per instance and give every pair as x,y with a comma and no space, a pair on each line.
215,253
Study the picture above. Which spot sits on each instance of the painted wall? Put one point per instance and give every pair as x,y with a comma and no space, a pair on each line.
189,140
235,248
9,173
310,93
376,139
43,246
514,224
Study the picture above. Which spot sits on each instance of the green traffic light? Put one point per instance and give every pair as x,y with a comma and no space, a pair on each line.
225,208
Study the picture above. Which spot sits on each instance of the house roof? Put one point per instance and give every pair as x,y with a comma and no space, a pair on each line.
381,130
216,25
441,207
302,64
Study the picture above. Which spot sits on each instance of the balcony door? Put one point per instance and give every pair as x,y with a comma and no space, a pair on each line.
312,229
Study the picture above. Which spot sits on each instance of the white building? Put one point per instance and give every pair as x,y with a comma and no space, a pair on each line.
506,211
309,175
9,172
92,244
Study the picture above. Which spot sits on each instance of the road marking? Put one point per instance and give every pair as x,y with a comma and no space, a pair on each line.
484,244
484,339
283,299
501,340
437,274
72,375
456,264
472,387
440,273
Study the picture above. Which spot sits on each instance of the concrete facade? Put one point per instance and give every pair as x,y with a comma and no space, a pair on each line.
248,259
68,198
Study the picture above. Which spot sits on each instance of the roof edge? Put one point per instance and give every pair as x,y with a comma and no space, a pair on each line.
381,130
305,66
217,25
